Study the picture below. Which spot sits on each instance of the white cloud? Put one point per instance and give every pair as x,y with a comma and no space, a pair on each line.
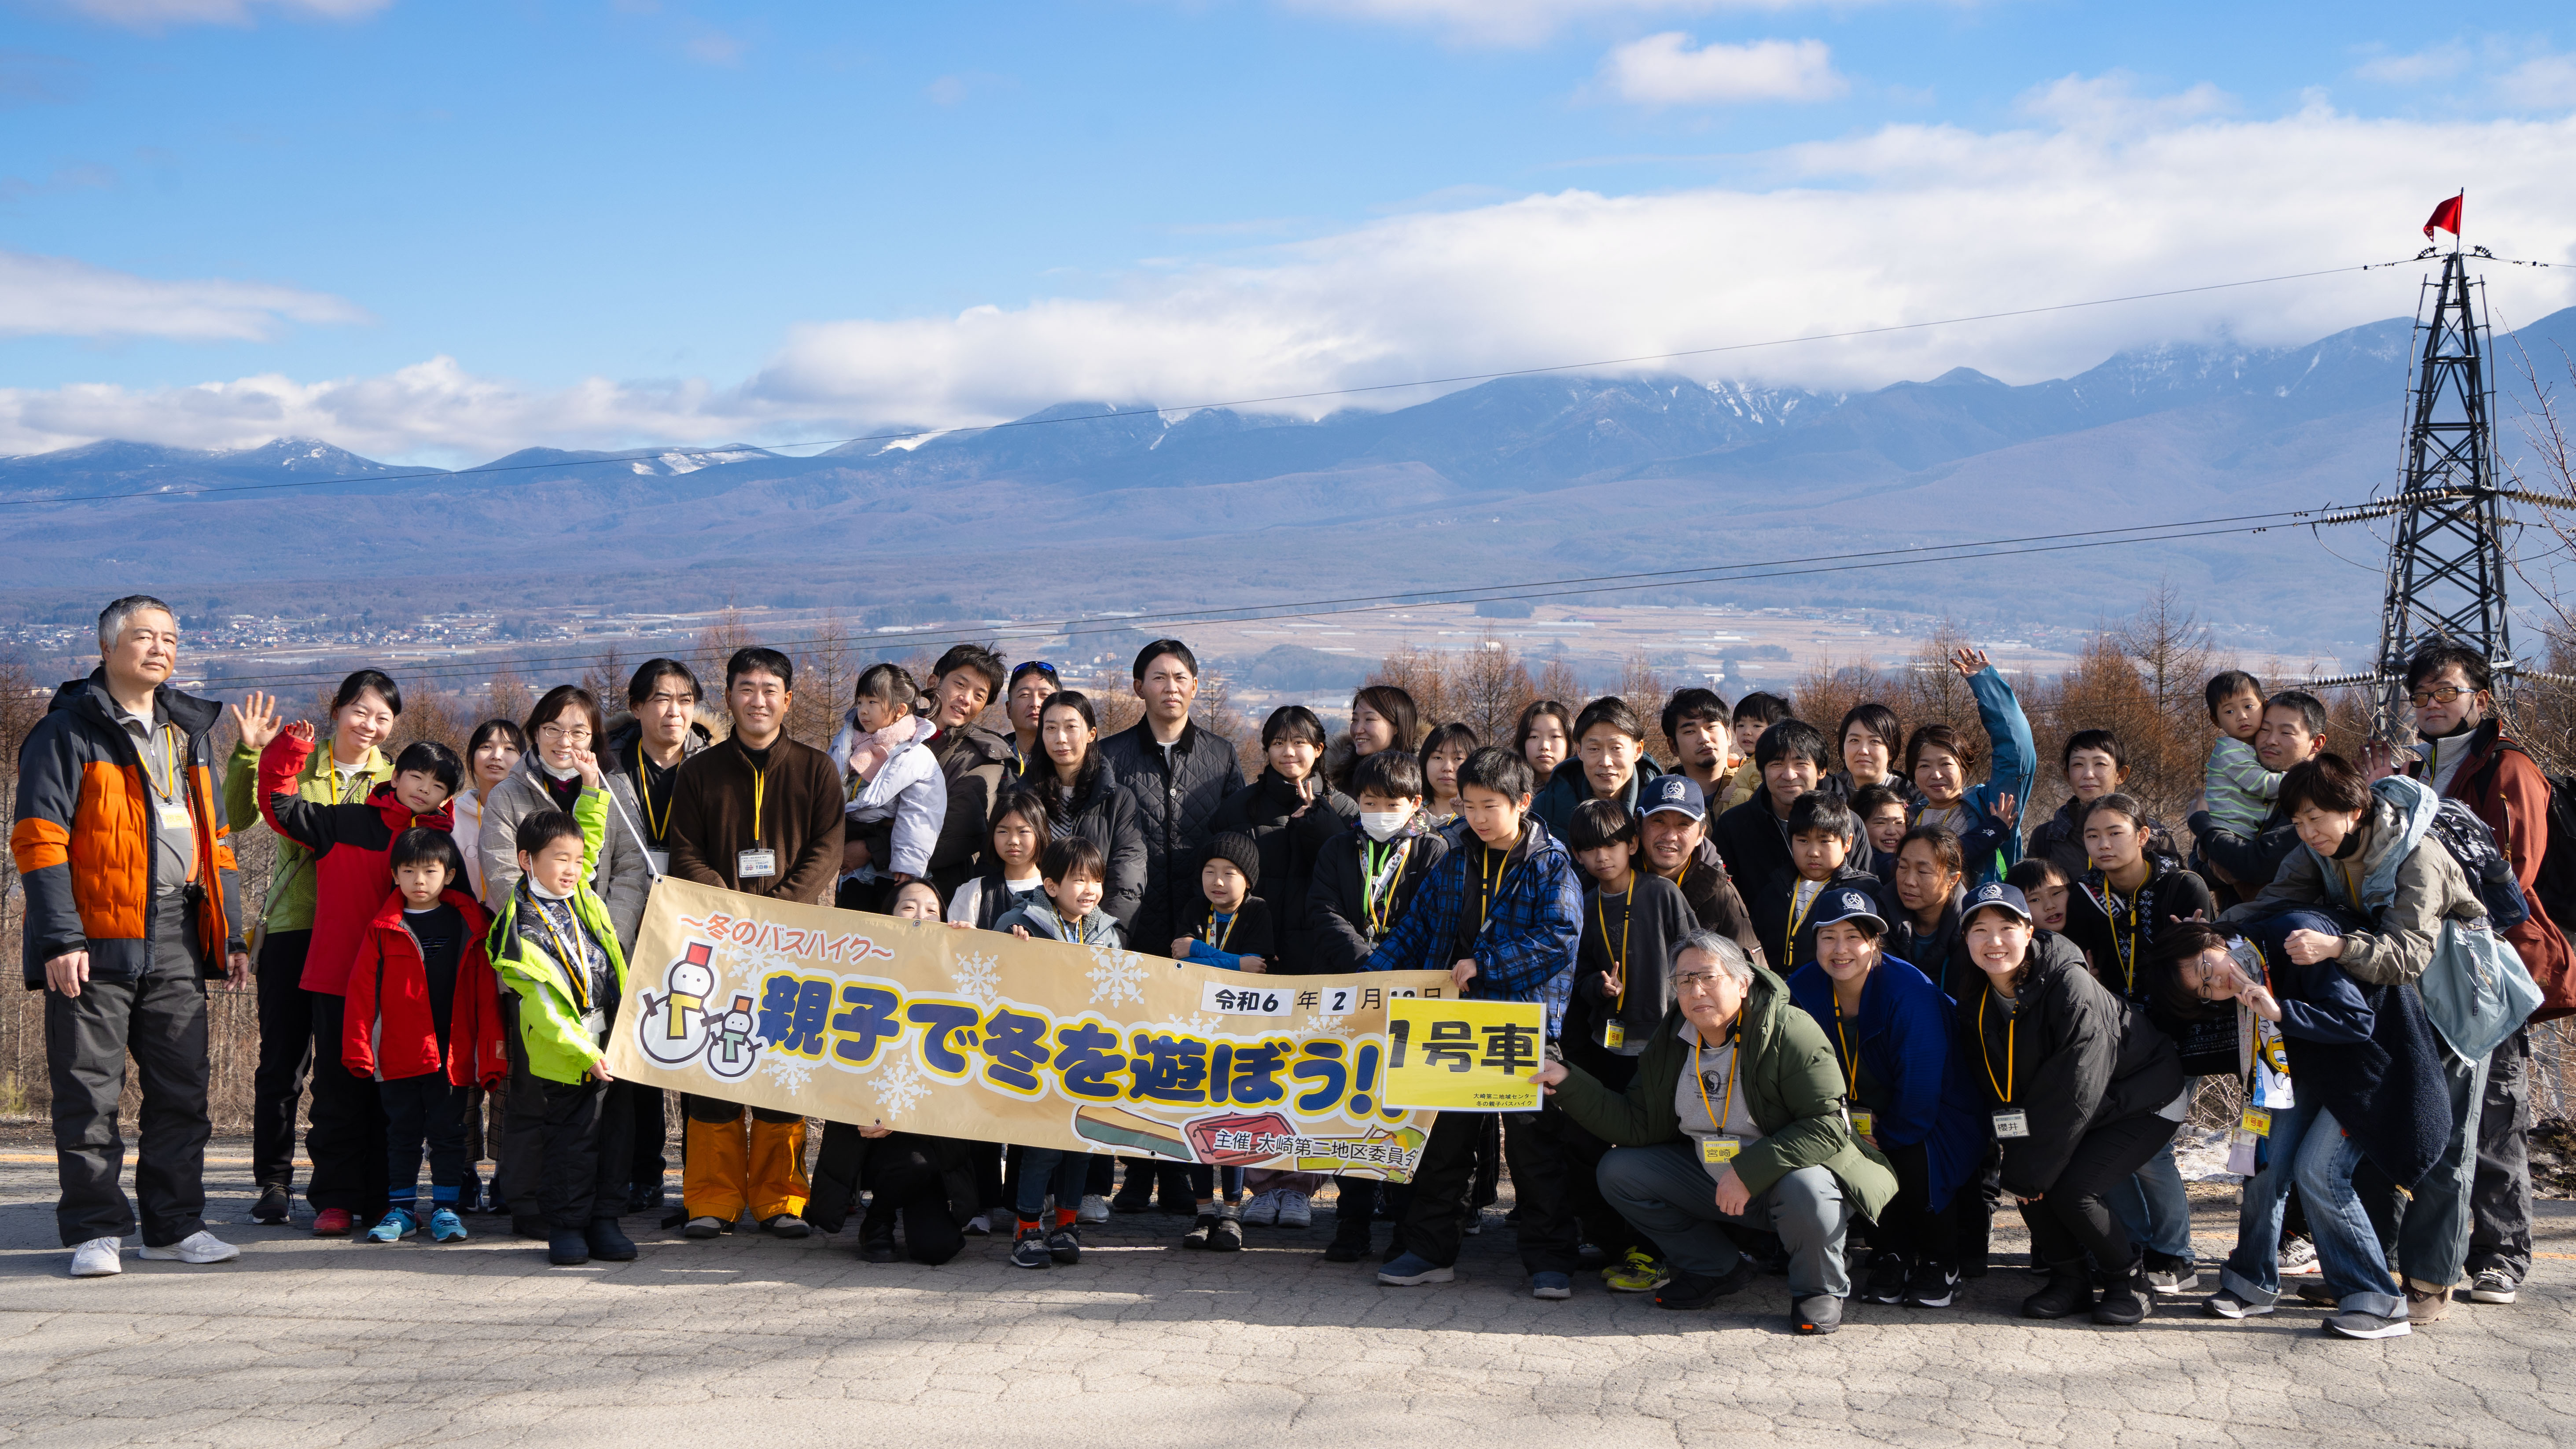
60,297
154,15
2540,83
1904,224
1526,22
2441,62
1662,70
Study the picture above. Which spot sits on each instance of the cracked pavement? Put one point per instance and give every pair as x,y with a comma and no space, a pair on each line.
756,1341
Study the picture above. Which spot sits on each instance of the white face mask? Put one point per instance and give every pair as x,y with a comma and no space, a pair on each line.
566,773
1382,825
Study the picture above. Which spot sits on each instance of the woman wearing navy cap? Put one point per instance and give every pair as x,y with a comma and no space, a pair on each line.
1909,1096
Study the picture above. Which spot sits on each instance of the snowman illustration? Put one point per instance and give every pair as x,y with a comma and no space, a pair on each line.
676,1025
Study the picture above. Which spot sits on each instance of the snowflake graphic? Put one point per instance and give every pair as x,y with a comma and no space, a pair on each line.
1330,1025
1201,1024
787,1071
978,978
1116,976
900,1088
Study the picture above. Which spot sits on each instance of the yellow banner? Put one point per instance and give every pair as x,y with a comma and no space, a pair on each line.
1464,1056
864,1018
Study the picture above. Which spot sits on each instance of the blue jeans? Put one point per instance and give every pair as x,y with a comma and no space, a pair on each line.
2307,1147
1047,1168
2153,1206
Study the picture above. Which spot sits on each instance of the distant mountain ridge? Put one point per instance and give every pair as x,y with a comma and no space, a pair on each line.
1522,478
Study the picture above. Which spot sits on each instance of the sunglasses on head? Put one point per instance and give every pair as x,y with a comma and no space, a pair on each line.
1035,666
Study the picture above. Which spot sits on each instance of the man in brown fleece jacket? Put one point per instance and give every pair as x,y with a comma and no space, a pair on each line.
761,814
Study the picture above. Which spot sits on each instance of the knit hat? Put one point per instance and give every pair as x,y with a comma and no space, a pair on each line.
1238,848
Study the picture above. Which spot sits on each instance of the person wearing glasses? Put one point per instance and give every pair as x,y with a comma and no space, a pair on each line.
564,724
2467,757
1735,1118
1032,680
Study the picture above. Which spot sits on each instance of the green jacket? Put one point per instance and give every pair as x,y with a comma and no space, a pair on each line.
289,906
557,1047
1792,1084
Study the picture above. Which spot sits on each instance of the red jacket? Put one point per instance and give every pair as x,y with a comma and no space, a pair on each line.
388,1032
2499,782
351,845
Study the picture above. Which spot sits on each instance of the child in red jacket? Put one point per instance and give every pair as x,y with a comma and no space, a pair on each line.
424,1022
350,877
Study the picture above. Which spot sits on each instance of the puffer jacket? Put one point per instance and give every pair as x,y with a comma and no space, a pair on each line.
1290,844
909,789
620,873
2089,1059
1106,815
352,847
1174,802
2060,838
1567,787
83,837
551,1036
390,1028
2404,885
289,906
976,762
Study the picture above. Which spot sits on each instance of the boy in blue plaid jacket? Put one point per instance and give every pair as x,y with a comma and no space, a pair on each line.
1503,914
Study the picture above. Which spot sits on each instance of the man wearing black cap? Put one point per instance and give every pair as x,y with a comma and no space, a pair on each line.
1673,829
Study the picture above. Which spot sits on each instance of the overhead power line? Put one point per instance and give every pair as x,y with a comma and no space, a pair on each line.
649,454
1711,574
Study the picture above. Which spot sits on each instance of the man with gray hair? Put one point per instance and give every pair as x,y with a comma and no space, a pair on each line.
1735,1117
131,907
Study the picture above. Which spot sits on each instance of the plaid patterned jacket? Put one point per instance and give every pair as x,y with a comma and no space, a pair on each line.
1524,947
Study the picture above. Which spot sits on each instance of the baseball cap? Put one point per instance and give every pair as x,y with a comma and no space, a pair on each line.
1996,893
1671,792
1843,903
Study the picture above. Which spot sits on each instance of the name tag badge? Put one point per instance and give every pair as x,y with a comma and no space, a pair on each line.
1719,1149
1864,1121
174,815
755,865
2012,1122
1614,1034
2240,1153
660,860
2258,1122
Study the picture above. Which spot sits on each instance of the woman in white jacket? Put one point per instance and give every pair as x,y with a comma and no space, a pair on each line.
888,770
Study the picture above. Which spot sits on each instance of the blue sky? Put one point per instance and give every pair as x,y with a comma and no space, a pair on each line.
441,230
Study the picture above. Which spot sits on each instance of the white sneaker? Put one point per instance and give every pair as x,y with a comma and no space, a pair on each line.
99,1258
1294,1210
198,1247
1263,1210
1094,1209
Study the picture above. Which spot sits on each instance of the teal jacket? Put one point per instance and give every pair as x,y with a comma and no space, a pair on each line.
1792,1083
558,1048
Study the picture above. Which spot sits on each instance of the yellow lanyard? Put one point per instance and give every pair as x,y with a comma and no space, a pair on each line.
2126,948
644,790
169,766
1798,917
1683,874
1851,1066
1493,884
2004,1091
1208,933
575,965
1627,913
1716,1115
759,787
1377,883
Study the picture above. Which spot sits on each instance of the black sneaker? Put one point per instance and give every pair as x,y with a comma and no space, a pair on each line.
877,1248
272,1207
1227,1235
1930,1286
2069,1292
1817,1315
1204,1229
2168,1273
1690,1291
2127,1298
609,1243
1886,1281
1590,1257
1136,1197
1065,1244
1340,1251
1029,1250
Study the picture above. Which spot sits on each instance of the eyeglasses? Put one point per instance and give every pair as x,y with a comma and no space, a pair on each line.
2440,693
577,734
1695,981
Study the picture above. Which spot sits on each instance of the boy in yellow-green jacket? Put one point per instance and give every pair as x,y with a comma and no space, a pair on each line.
555,950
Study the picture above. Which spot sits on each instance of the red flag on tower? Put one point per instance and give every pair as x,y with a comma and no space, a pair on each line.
2446,217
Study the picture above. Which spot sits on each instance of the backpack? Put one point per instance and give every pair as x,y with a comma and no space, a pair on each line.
2555,884
2473,845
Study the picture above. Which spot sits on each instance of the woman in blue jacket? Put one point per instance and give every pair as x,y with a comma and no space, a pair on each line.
1891,1030
1986,817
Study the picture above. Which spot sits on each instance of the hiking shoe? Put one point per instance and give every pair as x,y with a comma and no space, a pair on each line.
271,1209
567,1247
1689,1291
398,1224
1227,1236
333,1223
99,1258
1263,1210
446,1227
1295,1210
1635,1273
2226,1303
1551,1285
1029,1249
199,1247
2167,1273
1094,1209
705,1226
2354,1323
1930,1285
787,1225
2298,1254
1065,1244
1412,1270
1886,1280
608,1241
2494,1285
1817,1315
2423,1305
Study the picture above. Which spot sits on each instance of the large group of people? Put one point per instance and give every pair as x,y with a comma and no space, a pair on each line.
1784,981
